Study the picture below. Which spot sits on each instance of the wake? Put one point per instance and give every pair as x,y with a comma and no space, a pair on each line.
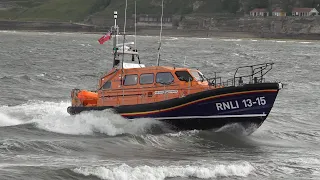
53,117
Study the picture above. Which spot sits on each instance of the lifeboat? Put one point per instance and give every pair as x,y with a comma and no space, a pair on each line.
182,97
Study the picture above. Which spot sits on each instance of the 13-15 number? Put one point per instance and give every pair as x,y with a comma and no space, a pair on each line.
259,100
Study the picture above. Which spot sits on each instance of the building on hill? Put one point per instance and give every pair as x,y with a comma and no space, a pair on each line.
278,12
154,20
304,12
259,12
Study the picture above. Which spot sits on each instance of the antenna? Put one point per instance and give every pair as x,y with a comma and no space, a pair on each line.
115,16
135,24
159,49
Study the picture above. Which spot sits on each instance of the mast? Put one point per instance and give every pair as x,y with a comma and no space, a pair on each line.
115,39
159,49
124,33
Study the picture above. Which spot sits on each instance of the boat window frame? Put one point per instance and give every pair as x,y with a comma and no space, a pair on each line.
124,79
102,87
165,83
146,74
202,77
189,80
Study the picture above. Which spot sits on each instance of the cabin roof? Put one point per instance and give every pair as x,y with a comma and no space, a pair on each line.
146,70
155,69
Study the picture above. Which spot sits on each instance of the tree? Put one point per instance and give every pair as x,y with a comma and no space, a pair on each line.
231,6
258,4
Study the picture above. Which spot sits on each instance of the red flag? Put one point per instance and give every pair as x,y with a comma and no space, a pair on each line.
105,38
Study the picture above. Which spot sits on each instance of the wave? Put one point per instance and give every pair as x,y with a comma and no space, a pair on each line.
305,42
172,38
125,171
6,78
53,117
232,40
278,41
25,77
6,120
104,122
238,129
10,145
18,78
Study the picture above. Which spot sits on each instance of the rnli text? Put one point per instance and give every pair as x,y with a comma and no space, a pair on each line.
235,104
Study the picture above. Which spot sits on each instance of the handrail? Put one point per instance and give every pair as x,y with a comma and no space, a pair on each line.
256,75
259,67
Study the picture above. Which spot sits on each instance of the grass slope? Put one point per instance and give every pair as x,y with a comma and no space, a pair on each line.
149,7
63,10
78,10
54,10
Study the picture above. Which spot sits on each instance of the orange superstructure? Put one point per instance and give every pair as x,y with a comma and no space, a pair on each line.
143,85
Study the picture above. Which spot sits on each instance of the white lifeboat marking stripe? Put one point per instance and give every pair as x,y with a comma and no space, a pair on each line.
213,117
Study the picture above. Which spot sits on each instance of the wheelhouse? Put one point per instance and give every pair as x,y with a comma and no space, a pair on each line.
146,85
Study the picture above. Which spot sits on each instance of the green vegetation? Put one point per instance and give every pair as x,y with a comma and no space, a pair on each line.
148,7
63,10
79,10
54,10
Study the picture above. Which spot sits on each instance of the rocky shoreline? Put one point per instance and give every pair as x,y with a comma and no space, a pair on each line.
205,33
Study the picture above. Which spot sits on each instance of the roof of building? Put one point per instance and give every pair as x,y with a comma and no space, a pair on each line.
278,10
154,15
259,10
302,9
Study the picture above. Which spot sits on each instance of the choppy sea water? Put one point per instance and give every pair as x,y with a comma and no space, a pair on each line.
40,140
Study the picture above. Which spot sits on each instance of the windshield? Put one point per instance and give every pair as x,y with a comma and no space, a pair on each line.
198,76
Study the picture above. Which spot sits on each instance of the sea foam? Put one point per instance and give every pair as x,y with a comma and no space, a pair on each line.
53,116
125,171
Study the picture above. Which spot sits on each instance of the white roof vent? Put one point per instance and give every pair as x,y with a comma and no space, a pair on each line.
132,65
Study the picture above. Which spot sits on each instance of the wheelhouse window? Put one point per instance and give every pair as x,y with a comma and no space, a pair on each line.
106,85
184,76
198,76
146,78
164,78
131,79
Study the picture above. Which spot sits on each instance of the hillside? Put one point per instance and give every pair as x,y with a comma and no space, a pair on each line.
80,10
